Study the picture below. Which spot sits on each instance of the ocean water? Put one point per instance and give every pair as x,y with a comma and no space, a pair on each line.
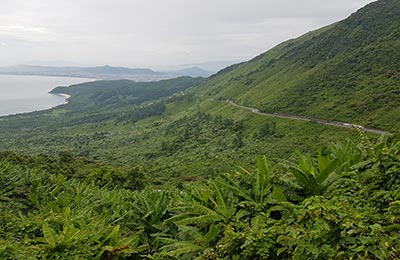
21,94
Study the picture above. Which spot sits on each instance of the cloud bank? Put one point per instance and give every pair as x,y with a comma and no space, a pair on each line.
156,32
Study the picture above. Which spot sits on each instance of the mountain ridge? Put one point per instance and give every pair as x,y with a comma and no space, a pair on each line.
344,71
165,170
191,133
105,72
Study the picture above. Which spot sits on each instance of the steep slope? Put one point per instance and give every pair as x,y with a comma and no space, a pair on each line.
191,134
348,71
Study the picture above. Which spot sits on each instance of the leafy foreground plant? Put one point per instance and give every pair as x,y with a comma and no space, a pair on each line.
342,204
61,218
352,217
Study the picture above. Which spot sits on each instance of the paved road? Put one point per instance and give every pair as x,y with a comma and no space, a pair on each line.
311,119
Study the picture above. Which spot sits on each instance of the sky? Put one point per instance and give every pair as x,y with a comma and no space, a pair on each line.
155,33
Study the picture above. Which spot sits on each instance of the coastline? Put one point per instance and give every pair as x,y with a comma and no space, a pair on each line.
28,94
66,96
93,78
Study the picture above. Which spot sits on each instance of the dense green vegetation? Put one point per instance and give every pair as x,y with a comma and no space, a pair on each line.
158,127
343,203
100,101
348,71
181,144
120,93
134,170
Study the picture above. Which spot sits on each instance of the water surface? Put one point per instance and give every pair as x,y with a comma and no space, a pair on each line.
21,94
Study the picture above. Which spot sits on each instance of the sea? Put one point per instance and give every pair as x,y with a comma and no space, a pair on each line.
22,94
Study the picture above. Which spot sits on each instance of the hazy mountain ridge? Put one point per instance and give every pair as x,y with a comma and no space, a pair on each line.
192,72
104,72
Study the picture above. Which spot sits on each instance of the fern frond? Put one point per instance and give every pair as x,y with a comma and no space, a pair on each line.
180,248
199,220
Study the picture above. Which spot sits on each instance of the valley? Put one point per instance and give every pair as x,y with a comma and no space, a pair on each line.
294,154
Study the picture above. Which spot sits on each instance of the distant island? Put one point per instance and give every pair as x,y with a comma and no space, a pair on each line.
104,72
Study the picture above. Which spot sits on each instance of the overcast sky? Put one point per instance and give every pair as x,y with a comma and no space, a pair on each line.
151,33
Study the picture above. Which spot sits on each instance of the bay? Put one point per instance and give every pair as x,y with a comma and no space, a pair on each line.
22,94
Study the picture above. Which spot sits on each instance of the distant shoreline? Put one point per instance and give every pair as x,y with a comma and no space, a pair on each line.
66,96
25,94
50,75
139,78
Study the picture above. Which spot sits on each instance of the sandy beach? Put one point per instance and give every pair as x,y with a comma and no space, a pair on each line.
66,96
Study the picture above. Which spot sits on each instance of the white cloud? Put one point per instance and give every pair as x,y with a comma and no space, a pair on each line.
24,33
156,32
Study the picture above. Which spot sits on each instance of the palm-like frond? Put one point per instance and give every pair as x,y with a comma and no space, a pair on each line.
316,176
191,242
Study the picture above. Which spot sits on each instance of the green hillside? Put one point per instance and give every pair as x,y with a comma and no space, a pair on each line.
170,170
119,93
179,130
343,203
348,71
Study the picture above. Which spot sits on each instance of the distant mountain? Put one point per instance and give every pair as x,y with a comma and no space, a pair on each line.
103,72
192,72
211,66
108,70
215,65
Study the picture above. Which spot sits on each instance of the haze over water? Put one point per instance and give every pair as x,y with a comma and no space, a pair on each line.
21,94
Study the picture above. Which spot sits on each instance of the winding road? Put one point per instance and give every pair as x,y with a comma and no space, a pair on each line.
311,119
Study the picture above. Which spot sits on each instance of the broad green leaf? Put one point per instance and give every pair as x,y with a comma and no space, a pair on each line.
258,222
49,234
181,248
212,234
204,219
115,235
325,167
261,177
236,189
278,194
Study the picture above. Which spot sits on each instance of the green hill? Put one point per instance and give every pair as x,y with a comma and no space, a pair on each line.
122,93
343,203
165,170
179,129
348,71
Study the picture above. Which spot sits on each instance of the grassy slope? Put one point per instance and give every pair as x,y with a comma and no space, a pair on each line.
348,71
120,122
45,215
179,145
